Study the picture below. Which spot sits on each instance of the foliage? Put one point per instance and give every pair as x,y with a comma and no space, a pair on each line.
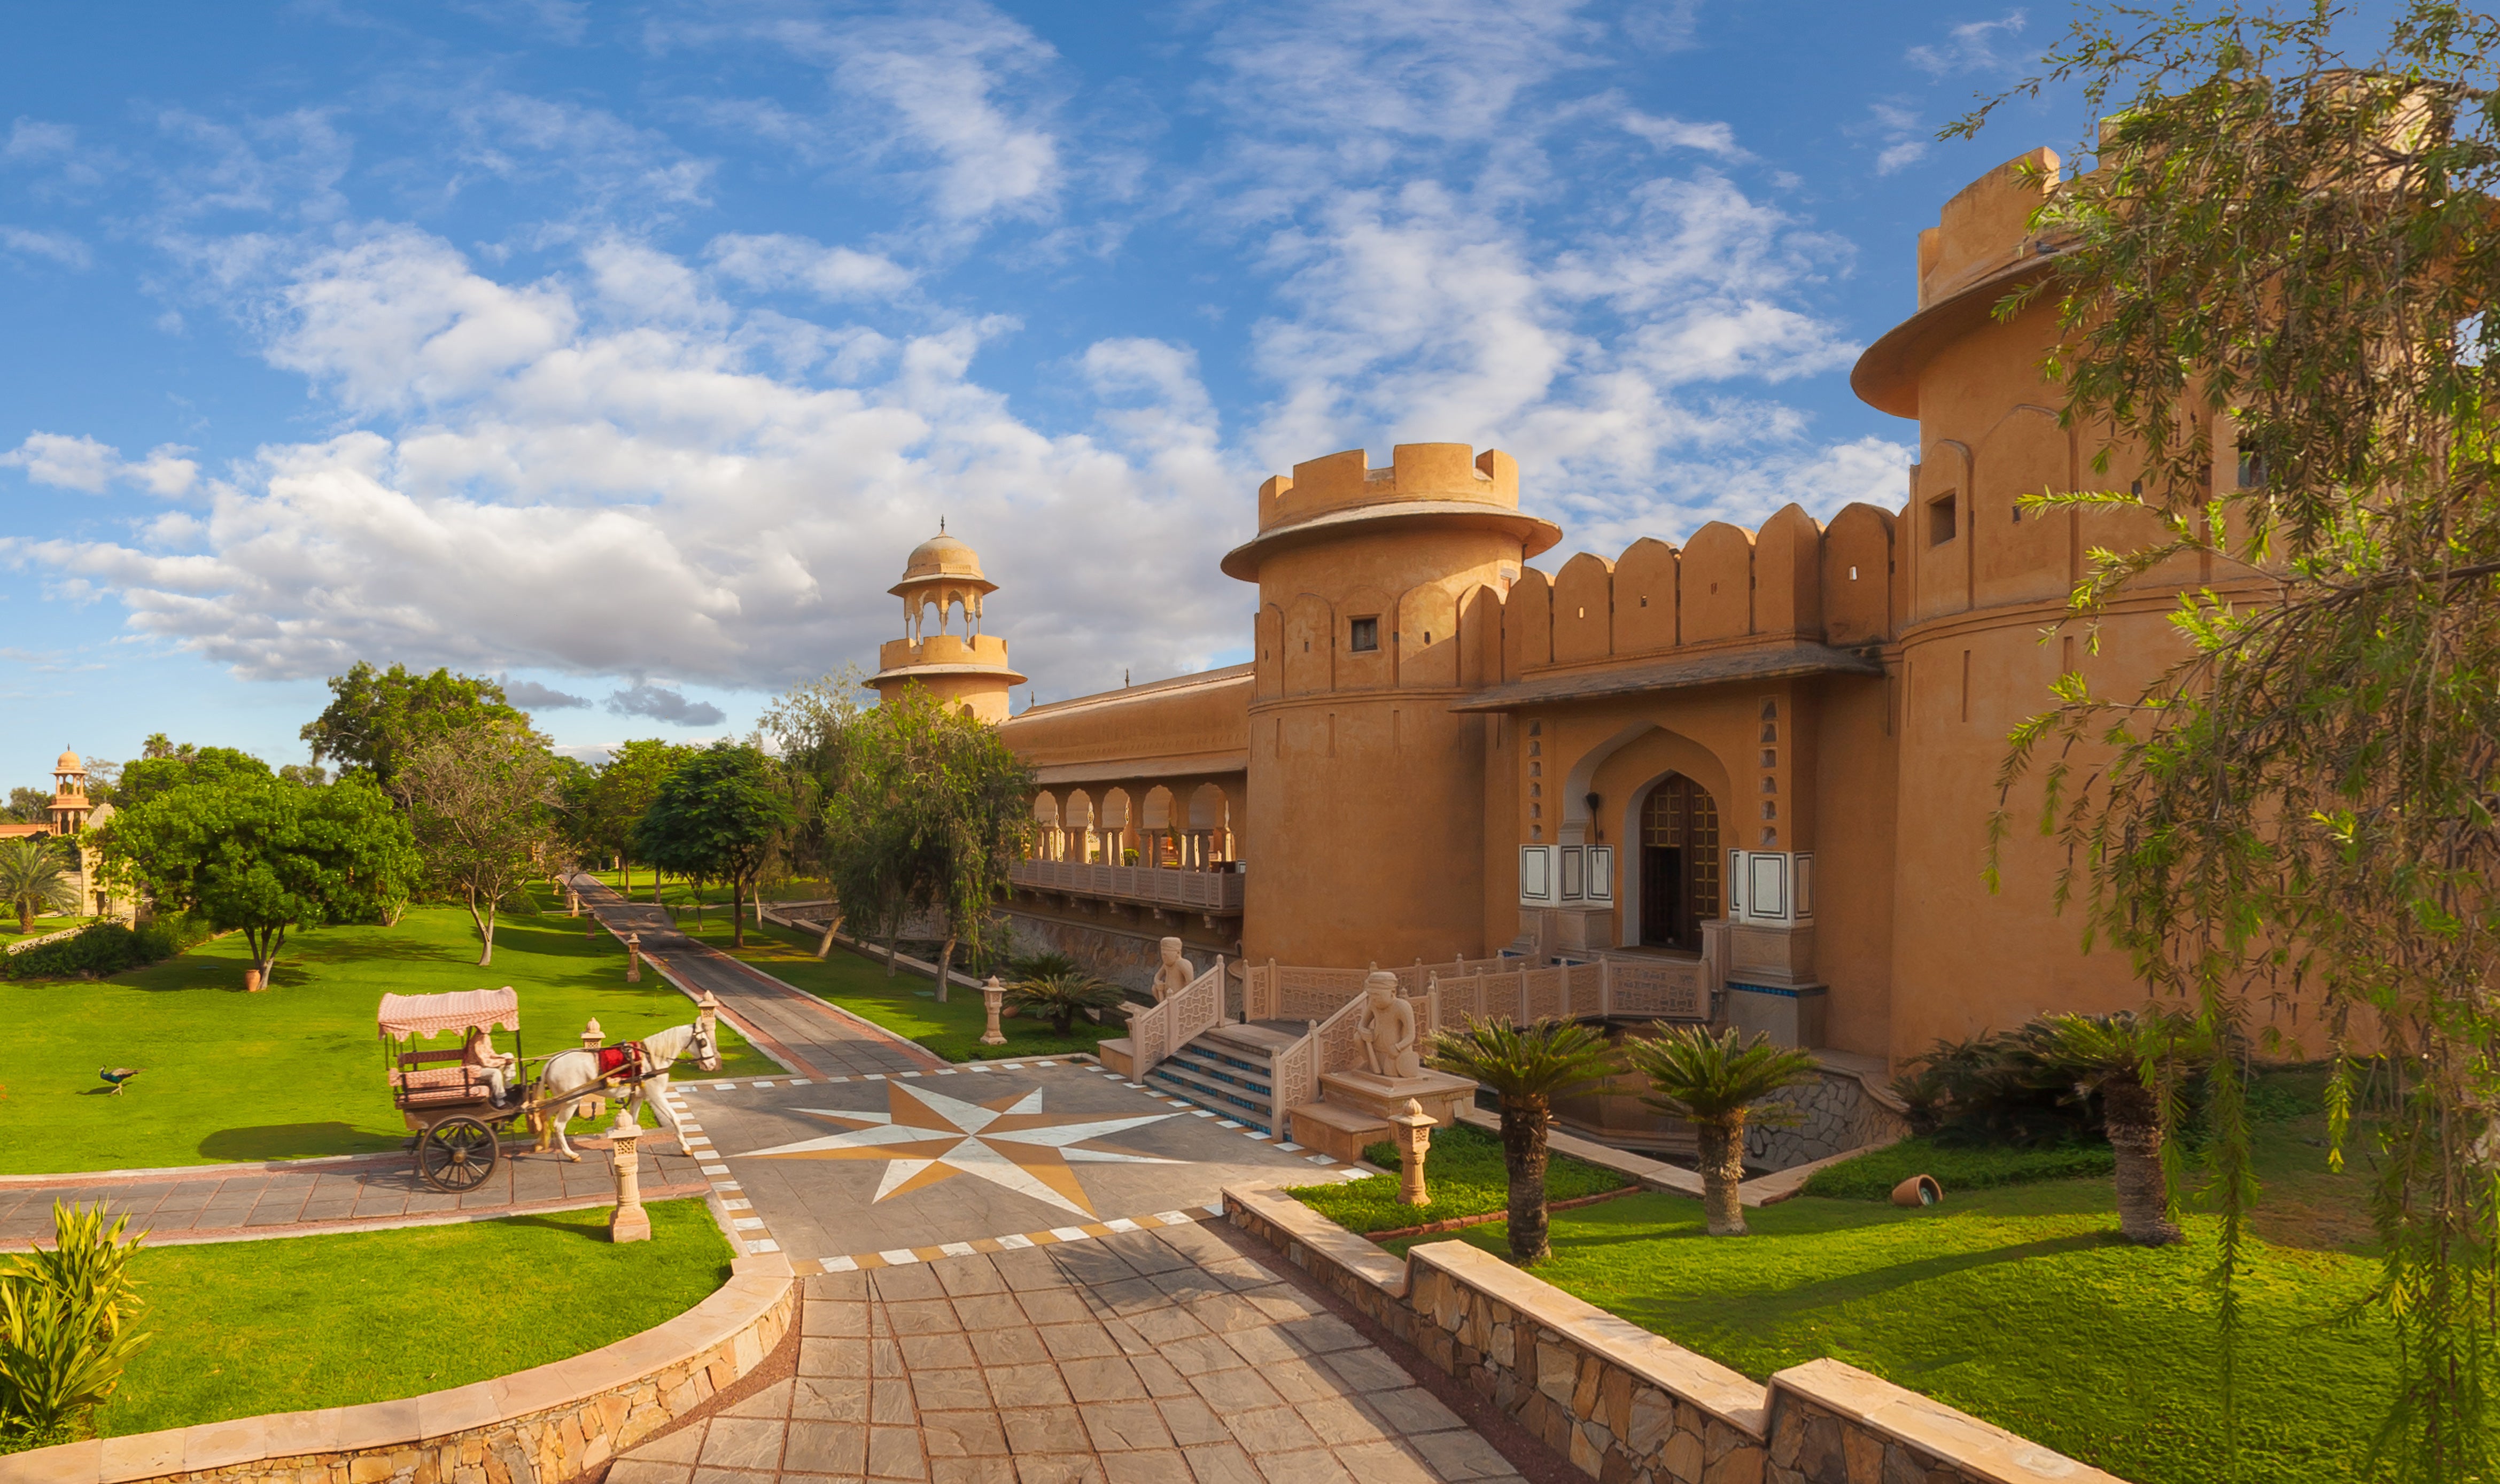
814,730
1956,1167
28,806
376,717
931,811
1526,1067
1716,1082
164,766
261,856
1464,1172
479,799
66,1326
628,784
2285,252
2137,1063
328,1321
1060,997
716,816
1046,964
35,879
99,949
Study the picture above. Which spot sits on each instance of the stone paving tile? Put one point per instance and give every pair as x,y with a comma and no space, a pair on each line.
1041,1364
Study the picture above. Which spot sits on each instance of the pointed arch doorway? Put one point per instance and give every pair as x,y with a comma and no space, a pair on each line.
1679,876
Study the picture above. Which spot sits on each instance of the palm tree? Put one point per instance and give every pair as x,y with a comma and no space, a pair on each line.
33,880
2128,1061
1059,996
1526,1067
1713,1081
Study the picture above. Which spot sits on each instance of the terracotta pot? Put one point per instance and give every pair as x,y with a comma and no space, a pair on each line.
251,981
1918,1190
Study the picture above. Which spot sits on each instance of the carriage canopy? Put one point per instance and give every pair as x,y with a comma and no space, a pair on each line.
404,1016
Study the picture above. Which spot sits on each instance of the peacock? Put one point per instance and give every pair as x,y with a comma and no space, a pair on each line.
117,1076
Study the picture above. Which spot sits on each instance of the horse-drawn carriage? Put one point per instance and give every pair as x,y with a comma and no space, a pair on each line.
448,1098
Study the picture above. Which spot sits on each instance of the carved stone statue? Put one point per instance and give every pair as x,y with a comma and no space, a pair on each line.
1386,1026
1174,973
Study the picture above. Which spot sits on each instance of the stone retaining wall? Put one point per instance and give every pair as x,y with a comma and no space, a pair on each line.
543,1426
1836,1113
1627,1406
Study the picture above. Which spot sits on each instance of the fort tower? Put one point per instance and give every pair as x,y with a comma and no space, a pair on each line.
952,658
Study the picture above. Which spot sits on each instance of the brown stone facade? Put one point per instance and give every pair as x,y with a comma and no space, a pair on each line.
1626,1407
543,1426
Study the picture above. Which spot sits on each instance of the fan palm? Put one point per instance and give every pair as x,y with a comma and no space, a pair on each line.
1526,1067
1713,1081
1060,997
2129,1061
35,879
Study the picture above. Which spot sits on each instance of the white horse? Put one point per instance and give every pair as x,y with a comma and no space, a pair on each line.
568,1073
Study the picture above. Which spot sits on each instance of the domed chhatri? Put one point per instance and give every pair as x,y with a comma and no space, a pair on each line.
952,659
70,763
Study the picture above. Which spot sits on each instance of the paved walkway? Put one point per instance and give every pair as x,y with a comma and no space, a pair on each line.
222,1203
1160,1357
807,1036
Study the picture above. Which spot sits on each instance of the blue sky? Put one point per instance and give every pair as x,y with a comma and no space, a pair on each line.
623,350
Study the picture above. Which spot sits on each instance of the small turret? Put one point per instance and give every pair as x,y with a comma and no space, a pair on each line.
954,659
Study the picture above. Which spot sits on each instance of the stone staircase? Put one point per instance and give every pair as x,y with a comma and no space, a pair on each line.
1229,1069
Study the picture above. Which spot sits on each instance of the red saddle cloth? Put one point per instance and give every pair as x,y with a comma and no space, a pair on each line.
625,1058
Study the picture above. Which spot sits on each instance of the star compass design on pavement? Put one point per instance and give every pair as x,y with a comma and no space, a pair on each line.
927,1137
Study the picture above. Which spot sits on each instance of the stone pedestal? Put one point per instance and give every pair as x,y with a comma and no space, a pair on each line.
993,995
1414,1138
592,1037
633,958
1438,1094
629,1222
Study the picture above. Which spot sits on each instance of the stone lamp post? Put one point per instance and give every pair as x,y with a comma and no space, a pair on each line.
993,995
591,1037
629,1222
572,903
633,958
1414,1135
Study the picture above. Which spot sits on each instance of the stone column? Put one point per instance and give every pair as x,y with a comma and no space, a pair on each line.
1414,1138
629,1222
633,958
993,995
591,1037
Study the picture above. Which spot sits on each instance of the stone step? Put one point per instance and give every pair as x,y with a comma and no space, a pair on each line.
1338,1131
1248,1106
1207,1066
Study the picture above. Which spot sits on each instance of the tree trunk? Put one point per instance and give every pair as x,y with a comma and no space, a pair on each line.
737,913
625,876
1523,1151
1723,1169
891,940
2143,1201
486,926
833,925
26,918
945,965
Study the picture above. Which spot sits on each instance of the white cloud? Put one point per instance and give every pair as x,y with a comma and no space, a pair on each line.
34,139
1681,134
778,260
1901,138
60,246
661,704
82,463
1974,46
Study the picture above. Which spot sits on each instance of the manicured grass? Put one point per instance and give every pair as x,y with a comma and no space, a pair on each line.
1465,1176
907,1004
1871,1175
252,1327
296,1071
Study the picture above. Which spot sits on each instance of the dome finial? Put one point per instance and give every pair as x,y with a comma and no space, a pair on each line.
941,525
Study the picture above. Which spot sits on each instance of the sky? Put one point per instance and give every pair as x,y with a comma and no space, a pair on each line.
622,352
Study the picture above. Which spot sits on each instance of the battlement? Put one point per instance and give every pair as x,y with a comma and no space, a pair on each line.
1416,471
1986,228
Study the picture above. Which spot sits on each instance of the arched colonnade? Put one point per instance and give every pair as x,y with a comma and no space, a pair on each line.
1187,824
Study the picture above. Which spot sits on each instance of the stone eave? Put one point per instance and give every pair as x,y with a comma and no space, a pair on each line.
1769,663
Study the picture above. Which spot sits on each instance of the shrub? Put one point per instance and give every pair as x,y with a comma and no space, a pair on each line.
102,949
1061,998
66,1317
1958,1166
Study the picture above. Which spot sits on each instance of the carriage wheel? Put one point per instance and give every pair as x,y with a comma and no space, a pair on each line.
456,1155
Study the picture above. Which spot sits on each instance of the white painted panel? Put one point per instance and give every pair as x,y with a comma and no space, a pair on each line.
1601,873
1573,886
1537,874
1767,886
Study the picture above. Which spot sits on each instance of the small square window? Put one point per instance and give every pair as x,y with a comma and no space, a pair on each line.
1364,634
1940,521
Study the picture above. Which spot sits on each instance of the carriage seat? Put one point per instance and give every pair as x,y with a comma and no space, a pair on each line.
421,1084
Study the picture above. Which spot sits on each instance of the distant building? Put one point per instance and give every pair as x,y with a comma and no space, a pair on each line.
68,817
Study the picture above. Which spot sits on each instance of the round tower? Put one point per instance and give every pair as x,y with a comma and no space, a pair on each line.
953,660
1379,599
70,806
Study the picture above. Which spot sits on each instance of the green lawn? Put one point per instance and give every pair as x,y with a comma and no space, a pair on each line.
295,1070
905,1005
2021,1307
1462,1172
44,926
251,1327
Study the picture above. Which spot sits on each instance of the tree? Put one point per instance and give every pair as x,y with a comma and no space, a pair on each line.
716,816
254,854
1062,997
480,800
628,785
2281,266
28,806
374,717
35,880
814,729
2132,1064
166,767
1528,1066
1715,1081
933,811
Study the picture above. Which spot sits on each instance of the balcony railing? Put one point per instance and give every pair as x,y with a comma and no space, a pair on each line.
1198,891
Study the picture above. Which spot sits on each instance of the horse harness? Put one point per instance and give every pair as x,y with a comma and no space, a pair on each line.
627,1061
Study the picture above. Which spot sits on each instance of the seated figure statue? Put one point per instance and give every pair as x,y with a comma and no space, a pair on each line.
1174,973
1387,1029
